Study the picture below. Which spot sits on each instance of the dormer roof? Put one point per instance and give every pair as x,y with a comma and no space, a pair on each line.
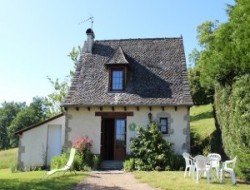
118,58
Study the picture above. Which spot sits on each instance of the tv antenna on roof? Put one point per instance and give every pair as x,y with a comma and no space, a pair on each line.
91,19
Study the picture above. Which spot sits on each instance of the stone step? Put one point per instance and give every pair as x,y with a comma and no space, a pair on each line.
111,165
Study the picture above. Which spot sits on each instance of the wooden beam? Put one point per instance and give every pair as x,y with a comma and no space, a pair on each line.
77,108
175,108
88,108
163,108
150,108
113,108
114,114
125,108
66,109
100,108
138,109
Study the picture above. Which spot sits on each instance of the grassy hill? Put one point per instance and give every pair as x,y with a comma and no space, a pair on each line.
8,158
202,127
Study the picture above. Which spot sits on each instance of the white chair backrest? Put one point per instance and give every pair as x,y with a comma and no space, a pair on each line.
71,157
231,162
214,159
188,158
214,156
200,162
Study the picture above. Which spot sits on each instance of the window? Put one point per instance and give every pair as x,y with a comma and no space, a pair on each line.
164,125
117,79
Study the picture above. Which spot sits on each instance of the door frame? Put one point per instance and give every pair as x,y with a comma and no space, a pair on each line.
102,148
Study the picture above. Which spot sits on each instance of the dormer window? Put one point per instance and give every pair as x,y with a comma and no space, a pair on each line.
117,66
117,79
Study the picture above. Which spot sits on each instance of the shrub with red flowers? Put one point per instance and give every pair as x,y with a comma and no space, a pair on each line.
84,156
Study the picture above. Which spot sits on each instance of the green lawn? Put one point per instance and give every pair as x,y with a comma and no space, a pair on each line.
8,158
202,121
172,180
33,180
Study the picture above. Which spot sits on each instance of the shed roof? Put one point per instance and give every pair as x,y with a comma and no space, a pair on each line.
19,132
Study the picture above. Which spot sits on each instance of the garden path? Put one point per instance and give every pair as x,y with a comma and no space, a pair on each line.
111,180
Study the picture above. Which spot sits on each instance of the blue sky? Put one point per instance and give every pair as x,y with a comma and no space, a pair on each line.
37,35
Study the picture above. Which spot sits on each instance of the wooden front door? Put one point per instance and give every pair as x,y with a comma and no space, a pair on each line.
113,139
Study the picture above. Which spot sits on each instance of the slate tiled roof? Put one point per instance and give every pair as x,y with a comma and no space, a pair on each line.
157,74
118,57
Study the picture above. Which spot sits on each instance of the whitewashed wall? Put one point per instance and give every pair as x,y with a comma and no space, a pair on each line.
84,122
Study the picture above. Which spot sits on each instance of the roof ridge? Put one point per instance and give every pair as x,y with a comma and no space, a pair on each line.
130,39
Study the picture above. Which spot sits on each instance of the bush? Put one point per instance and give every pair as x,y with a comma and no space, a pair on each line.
233,113
177,162
59,161
96,162
129,165
84,156
150,151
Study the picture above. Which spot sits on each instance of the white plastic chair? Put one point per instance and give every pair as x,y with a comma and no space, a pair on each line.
201,166
230,170
67,167
189,163
214,161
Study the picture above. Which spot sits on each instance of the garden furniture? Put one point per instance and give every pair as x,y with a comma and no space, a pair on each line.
189,163
67,167
230,170
214,161
201,166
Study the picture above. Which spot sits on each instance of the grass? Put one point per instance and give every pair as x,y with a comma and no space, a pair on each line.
202,121
172,180
33,180
8,158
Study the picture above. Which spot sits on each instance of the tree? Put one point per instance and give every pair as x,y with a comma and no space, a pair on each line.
35,113
61,88
8,112
224,65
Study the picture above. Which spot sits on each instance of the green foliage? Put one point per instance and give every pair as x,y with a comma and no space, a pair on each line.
233,112
59,161
96,162
61,88
8,112
55,98
85,157
74,55
35,113
224,67
8,158
150,150
129,165
177,162
199,94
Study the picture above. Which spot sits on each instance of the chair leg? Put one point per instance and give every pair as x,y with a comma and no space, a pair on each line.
233,178
208,176
185,172
221,175
197,176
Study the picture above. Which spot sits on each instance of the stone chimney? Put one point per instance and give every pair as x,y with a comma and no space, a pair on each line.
88,45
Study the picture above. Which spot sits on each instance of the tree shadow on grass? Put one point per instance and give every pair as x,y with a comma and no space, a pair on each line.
60,182
204,115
